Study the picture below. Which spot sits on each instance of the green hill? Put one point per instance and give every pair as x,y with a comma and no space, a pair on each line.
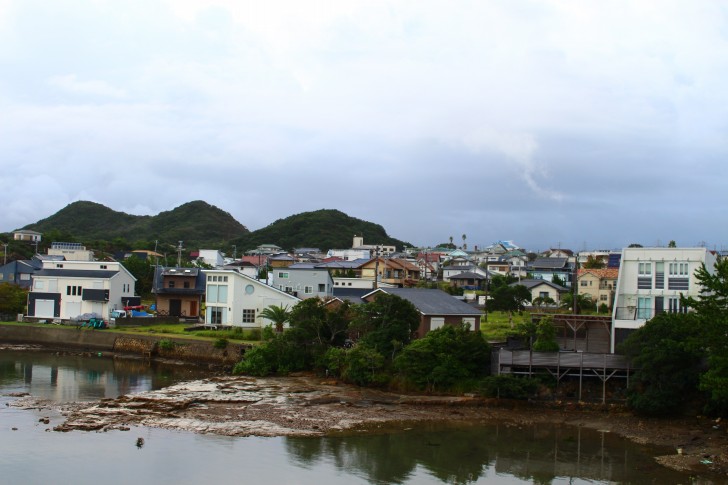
203,226
324,229
196,223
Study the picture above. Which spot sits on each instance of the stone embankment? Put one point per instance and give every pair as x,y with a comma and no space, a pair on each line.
148,346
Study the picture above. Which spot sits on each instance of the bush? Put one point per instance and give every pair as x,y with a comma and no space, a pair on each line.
508,387
444,357
167,344
365,366
220,343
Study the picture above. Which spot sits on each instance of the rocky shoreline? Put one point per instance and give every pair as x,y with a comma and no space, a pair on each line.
307,406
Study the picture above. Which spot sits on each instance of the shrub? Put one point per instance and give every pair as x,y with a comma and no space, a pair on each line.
365,366
167,344
508,387
220,343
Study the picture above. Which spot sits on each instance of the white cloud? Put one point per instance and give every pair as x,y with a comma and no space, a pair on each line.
71,84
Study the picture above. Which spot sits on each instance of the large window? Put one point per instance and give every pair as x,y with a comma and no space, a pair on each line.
644,308
308,290
215,314
644,276
217,293
283,275
678,269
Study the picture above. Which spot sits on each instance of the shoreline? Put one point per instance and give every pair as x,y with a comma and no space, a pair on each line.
309,406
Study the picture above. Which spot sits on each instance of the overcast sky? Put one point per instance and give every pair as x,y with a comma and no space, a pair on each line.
580,124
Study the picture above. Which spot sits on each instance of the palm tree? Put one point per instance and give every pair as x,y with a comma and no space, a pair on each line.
278,315
465,246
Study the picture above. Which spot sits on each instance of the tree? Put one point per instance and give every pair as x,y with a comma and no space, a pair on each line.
558,280
143,271
672,244
465,246
712,310
510,298
667,354
313,321
278,315
583,302
543,301
12,298
593,263
444,357
386,324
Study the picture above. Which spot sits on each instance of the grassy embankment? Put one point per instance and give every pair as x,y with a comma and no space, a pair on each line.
496,328
170,330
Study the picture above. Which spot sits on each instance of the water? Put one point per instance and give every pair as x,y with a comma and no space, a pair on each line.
498,454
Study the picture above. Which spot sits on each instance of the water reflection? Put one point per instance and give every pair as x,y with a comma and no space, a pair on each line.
539,454
67,378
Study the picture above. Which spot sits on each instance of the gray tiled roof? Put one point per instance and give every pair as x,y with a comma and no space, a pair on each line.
530,284
548,263
467,275
433,302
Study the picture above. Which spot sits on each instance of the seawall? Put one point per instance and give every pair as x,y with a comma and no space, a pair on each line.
56,337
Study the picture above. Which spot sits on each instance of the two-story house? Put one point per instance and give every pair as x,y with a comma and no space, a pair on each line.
235,299
599,284
651,281
303,280
179,291
66,289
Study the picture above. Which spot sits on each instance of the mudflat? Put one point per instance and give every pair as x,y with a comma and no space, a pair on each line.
309,406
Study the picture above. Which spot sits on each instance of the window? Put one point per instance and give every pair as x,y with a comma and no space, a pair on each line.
543,294
308,290
603,297
678,269
215,314
582,283
248,315
186,284
212,294
103,266
58,265
322,288
283,275
171,284
645,269
39,285
644,308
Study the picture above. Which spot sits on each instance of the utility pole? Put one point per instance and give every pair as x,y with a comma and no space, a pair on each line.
235,249
5,258
485,301
574,282
179,255
376,266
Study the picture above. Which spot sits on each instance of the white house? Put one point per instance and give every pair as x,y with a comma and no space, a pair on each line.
213,257
233,298
650,282
66,289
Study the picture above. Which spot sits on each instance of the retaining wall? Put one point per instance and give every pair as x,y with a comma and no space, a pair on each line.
105,340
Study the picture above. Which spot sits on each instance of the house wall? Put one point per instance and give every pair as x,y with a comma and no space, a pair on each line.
71,305
552,293
353,283
640,296
599,289
426,322
304,284
245,298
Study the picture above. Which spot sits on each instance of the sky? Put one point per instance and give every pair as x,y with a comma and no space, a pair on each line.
575,124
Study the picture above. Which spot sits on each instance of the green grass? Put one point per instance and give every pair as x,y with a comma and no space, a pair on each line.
237,335
497,327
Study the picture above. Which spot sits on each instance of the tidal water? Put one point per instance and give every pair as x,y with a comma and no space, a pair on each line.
31,453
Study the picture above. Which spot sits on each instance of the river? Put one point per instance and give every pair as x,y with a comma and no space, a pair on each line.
31,452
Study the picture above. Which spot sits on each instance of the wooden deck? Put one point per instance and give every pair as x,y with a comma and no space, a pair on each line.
562,364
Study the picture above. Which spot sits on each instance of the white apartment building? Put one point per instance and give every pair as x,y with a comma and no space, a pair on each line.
651,281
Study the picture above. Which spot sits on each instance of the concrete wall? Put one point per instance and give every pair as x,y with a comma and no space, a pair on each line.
103,340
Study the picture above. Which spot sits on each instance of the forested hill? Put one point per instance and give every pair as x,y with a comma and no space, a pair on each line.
324,229
196,223
203,226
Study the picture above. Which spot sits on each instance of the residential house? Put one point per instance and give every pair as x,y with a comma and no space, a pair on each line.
66,289
265,249
179,291
20,272
547,268
243,266
651,281
211,257
281,260
599,284
71,251
235,299
467,267
391,271
436,308
543,289
468,280
303,280
27,235
375,249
